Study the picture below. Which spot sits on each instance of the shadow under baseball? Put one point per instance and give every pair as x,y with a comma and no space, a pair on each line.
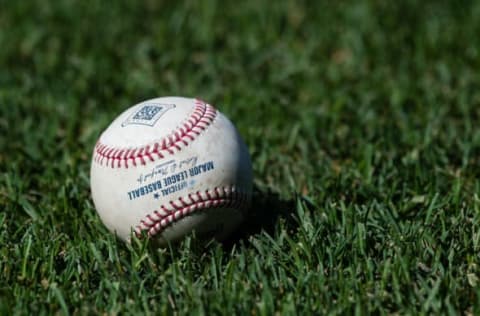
265,211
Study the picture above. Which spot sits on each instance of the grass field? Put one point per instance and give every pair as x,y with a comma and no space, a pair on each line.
361,119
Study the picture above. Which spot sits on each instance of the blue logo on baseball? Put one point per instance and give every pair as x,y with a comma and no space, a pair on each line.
148,114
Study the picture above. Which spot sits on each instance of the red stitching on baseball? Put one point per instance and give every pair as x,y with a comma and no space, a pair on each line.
203,115
155,222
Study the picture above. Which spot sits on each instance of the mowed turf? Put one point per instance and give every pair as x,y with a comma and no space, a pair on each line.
361,118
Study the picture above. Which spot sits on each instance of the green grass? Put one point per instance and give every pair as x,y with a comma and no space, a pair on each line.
361,118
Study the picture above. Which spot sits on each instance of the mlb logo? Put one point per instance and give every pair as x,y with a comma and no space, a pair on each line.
148,114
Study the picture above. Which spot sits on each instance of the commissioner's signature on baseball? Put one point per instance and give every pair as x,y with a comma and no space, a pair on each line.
170,182
166,168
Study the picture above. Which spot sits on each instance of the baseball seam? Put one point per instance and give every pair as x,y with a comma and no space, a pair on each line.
203,115
167,214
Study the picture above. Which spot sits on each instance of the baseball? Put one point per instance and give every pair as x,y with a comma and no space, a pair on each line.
169,166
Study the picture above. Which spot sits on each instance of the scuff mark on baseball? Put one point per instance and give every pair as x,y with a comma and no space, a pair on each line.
169,166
